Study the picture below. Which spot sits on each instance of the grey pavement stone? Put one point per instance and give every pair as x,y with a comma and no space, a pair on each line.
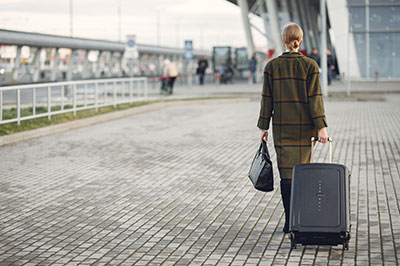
170,187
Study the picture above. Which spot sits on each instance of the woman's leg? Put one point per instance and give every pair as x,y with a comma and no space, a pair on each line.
286,189
171,83
201,75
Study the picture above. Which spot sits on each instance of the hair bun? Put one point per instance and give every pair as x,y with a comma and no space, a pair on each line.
292,35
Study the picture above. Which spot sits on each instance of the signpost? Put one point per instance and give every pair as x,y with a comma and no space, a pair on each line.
188,50
189,56
131,52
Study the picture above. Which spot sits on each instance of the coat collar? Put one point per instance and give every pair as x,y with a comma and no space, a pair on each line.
291,54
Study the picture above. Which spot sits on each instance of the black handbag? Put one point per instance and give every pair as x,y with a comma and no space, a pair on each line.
260,173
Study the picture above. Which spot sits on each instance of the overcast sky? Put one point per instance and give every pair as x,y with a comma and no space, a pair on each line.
206,22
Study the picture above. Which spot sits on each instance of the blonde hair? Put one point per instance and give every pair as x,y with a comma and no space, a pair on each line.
292,35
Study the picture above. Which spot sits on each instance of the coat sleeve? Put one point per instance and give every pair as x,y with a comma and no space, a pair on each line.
315,99
266,100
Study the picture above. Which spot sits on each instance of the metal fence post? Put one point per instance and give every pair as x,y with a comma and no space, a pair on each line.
74,100
125,89
105,93
49,102
115,94
85,95
1,105
145,89
62,97
131,90
142,87
96,97
34,101
127,93
18,107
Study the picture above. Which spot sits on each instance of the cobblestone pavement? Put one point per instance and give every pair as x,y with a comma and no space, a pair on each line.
171,188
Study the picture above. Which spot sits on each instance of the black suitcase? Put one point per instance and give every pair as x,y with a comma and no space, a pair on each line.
320,204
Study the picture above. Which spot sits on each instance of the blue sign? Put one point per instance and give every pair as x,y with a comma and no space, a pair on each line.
188,55
131,43
131,51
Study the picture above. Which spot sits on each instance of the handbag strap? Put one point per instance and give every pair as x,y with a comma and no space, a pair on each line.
264,149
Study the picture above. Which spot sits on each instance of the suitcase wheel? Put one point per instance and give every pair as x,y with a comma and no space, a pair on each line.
292,242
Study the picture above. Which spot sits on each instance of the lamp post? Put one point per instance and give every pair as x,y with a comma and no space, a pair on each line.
158,28
71,24
324,59
119,21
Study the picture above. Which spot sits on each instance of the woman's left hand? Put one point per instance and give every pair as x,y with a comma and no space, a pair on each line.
264,135
323,135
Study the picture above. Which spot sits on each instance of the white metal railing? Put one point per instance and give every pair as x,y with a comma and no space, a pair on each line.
69,96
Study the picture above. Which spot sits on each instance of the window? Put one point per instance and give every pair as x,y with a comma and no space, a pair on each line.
384,18
359,42
358,18
384,55
356,1
383,1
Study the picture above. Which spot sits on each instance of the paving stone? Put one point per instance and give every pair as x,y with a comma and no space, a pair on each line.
171,187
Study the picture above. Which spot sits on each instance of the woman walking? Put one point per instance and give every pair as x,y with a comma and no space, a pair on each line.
292,97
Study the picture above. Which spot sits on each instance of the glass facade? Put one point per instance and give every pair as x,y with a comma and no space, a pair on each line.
358,18
384,1
384,18
380,53
376,31
359,41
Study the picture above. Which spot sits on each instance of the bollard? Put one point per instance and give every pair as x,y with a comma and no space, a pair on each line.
153,83
376,76
347,83
218,78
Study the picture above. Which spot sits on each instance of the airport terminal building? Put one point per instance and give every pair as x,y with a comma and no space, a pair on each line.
364,35
375,28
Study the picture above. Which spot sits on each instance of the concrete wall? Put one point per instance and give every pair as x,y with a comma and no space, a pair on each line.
343,41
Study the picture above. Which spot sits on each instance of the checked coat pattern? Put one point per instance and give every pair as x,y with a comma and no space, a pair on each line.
292,96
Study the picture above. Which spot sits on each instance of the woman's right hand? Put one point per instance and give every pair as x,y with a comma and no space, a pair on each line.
323,135
264,135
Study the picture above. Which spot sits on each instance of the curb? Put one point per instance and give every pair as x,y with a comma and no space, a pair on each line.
44,131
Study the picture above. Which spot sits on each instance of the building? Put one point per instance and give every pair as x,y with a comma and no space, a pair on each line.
363,35
375,28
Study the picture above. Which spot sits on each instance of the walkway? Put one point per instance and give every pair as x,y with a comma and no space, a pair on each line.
170,188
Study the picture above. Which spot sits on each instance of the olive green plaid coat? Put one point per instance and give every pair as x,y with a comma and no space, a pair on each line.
292,97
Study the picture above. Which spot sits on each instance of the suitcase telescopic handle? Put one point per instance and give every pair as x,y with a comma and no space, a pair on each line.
316,139
313,144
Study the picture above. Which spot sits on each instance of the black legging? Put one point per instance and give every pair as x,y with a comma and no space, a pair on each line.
171,82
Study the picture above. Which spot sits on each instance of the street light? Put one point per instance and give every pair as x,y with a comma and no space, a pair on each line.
119,21
70,19
324,59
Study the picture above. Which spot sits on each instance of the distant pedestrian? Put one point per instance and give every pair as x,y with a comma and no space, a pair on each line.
171,73
315,55
201,69
331,65
253,67
226,73
292,97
